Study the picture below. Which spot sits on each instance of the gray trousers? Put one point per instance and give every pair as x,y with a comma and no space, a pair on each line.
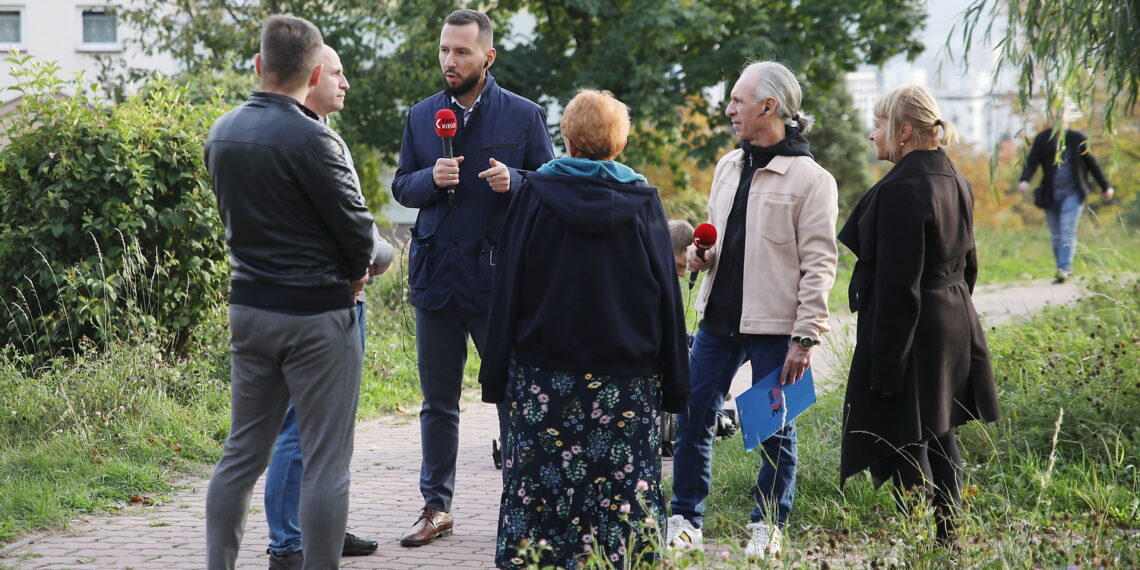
441,349
316,360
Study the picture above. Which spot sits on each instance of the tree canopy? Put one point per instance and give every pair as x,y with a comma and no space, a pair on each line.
1076,52
662,57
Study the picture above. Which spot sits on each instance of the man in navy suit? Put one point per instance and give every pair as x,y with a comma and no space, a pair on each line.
455,237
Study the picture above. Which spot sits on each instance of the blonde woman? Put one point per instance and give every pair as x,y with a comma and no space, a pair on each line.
588,329
921,367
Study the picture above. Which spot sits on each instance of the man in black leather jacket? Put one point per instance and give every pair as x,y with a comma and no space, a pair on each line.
300,242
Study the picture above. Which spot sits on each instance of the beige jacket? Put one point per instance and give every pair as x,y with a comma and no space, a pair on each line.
790,254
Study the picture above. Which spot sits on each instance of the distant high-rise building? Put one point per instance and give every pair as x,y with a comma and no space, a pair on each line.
979,102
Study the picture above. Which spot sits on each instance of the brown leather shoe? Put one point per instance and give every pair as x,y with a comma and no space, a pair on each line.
431,525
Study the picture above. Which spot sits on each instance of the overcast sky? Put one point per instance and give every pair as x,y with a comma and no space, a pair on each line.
945,16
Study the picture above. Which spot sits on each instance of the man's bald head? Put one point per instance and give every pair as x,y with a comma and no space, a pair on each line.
328,96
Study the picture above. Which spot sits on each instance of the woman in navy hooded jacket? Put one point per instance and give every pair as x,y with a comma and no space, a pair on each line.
587,321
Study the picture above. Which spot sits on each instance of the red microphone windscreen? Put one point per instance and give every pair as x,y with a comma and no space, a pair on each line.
445,123
704,236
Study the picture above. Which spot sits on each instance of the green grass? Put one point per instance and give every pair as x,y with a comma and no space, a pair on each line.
1103,246
1038,493
92,433
390,380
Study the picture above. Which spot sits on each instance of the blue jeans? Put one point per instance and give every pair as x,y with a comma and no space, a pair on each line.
713,362
1062,218
283,479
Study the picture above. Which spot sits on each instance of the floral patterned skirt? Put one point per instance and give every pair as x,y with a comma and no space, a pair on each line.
582,470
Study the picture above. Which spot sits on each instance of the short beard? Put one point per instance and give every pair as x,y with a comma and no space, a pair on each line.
463,88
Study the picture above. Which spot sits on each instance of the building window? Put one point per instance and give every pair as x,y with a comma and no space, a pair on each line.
11,27
99,27
100,30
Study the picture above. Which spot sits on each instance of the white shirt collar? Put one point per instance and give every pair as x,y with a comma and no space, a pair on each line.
467,110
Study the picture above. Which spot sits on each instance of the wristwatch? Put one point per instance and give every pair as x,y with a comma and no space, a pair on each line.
805,343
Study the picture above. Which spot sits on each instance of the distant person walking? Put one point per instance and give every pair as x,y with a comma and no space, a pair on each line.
921,367
586,348
1064,181
300,242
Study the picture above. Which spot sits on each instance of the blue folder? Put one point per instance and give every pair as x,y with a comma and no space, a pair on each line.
762,407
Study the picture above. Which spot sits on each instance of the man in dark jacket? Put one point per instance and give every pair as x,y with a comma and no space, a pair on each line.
300,242
1066,186
283,478
462,203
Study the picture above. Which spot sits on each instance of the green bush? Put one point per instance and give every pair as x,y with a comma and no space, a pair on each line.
1084,360
109,228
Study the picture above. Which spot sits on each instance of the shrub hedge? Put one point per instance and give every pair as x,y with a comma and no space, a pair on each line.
108,227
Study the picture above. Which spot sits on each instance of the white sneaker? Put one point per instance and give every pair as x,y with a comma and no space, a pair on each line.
682,535
766,541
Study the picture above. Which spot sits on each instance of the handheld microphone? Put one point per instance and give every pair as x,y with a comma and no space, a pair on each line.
704,237
445,127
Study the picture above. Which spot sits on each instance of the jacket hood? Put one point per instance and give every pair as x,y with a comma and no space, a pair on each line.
793,144
591,205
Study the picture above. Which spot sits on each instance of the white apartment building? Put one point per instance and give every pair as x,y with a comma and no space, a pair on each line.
71,33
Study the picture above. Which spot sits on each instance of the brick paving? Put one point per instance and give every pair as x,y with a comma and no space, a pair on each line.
385,490
385,501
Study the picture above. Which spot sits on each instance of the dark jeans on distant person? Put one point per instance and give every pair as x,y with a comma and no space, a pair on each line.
713,362
315,359
283,480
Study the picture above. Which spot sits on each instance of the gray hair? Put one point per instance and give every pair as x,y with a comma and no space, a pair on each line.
776,81
681,234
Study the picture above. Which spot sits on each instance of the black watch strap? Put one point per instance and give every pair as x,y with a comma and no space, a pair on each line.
805,343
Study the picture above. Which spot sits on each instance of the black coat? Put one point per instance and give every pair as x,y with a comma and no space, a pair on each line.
1043,154
921,366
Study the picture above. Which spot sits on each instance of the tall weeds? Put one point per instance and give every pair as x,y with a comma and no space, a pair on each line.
1043,487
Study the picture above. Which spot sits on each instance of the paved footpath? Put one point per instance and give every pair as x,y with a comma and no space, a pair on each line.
385,492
